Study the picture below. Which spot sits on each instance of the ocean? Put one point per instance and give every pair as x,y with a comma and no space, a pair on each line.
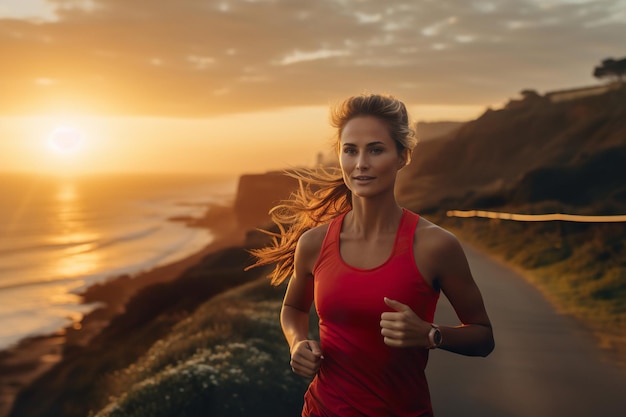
59,236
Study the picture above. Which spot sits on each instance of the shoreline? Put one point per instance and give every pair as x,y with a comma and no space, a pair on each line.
23,363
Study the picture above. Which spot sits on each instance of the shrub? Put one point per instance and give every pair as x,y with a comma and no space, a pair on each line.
228,359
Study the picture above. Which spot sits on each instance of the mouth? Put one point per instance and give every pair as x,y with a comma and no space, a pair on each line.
363,178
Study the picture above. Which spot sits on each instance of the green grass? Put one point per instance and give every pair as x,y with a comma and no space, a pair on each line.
227,359
580,268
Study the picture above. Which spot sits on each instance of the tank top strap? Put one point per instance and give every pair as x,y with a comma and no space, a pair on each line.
334,228
333,234
406,232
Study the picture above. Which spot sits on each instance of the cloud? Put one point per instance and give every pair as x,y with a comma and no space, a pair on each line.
299,56
193,58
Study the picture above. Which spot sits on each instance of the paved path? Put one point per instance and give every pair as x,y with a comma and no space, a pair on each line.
544,364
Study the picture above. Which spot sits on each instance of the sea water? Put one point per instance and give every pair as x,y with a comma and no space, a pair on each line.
60,235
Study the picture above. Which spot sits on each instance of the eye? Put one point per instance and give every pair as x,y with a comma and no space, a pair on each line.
376,151
349,150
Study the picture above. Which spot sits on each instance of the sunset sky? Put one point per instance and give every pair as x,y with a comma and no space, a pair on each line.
245,85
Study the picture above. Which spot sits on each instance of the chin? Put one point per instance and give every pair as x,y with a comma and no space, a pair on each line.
367,193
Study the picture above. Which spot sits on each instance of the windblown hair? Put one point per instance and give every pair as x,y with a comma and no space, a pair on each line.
322,194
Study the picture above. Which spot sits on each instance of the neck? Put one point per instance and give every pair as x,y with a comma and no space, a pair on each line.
370,217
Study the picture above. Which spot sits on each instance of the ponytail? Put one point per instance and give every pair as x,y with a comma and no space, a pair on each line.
320,197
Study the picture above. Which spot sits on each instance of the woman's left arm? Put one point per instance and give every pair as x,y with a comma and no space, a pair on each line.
474,337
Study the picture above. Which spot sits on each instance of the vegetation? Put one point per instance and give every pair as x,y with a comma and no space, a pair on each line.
228,359
580,268
74,385
612,69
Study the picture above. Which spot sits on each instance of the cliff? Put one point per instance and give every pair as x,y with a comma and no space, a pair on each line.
258,193
490,159
435,130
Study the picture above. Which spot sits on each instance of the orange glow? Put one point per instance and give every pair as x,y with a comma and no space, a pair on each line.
230,144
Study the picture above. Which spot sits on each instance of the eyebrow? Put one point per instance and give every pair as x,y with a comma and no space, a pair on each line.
377,143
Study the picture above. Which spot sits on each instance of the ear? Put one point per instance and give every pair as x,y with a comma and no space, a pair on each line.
405,158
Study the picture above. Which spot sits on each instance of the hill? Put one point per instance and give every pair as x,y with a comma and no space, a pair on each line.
504,157
435,130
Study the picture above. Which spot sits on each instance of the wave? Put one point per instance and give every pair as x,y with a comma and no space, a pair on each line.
40,282
130,218
92,244
169,253
48,320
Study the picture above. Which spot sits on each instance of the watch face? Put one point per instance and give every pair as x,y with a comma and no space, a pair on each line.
437,337
434,336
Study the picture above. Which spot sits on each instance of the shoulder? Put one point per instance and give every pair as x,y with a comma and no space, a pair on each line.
436,249
435,238
309,246
313,238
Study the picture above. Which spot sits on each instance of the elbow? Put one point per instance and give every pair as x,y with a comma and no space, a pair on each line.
485,345
488,346
486,351
480,351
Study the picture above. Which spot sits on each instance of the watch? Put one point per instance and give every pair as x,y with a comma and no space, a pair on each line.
434,336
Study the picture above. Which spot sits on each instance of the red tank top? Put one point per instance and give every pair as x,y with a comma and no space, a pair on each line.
360,375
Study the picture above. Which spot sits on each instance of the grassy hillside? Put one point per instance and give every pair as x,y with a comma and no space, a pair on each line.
75,385
580,268
228,359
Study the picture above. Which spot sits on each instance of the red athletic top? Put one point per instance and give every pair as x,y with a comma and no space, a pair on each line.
360,375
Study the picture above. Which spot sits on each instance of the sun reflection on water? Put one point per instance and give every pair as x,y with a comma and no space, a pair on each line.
78,258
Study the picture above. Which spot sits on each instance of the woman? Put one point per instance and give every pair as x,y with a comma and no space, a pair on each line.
374,270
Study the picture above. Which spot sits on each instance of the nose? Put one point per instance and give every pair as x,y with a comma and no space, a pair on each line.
362,162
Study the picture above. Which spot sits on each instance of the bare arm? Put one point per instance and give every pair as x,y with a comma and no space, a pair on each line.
442,261
474,337
306,354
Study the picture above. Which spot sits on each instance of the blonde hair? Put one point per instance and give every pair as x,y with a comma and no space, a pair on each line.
322,194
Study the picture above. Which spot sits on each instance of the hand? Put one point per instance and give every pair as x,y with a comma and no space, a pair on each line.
402,327
306,357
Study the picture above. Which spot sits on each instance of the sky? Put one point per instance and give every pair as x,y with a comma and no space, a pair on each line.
245,85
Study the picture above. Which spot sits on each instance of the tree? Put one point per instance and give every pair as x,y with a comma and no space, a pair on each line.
612,69
529,94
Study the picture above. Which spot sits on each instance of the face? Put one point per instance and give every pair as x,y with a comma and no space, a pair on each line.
369,157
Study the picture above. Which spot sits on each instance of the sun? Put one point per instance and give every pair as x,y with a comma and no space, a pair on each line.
65,140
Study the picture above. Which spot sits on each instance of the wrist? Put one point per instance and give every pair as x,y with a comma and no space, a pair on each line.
294,342
434,336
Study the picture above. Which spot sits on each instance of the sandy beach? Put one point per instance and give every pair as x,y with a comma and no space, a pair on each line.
22,364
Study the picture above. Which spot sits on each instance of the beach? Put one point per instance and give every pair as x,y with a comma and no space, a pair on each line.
22,364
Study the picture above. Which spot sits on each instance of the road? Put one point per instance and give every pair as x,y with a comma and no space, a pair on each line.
544,364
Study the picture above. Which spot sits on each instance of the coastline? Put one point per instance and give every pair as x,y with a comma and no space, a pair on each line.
22,364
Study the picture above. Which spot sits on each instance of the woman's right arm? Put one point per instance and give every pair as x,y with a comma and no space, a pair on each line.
306,354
